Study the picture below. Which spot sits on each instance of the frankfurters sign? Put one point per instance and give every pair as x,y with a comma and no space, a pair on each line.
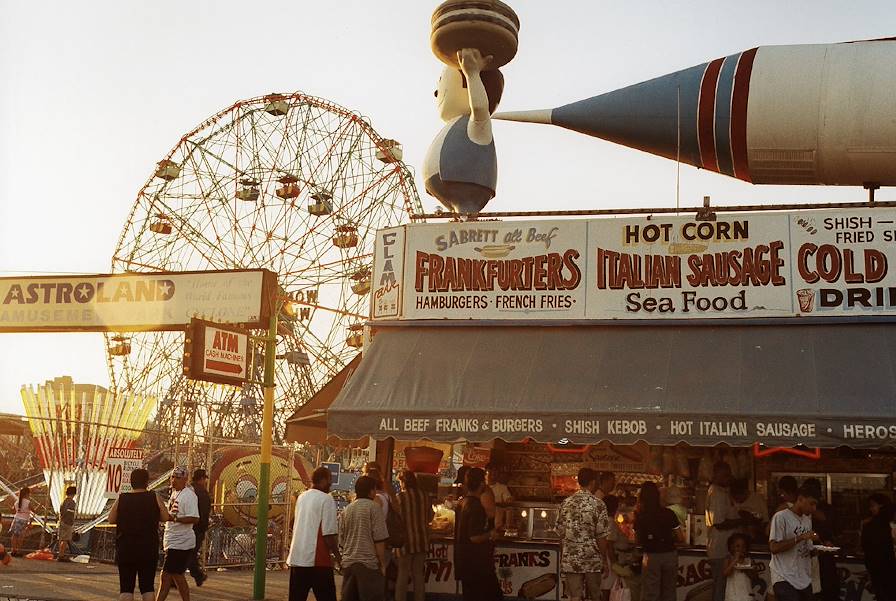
744,265
134,301
217,353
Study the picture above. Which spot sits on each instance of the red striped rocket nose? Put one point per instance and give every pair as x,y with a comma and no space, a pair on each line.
722,114
697,115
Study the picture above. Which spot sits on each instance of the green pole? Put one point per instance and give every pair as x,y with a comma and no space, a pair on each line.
264,480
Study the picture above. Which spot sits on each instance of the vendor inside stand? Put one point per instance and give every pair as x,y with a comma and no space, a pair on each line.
528,481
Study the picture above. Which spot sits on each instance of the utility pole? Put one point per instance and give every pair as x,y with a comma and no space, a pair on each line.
264,480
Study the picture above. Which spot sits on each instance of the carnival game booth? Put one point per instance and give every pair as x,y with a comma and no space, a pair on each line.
658,402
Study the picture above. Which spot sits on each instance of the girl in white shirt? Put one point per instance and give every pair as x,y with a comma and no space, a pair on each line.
738,569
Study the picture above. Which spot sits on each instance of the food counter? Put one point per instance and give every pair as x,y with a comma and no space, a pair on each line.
531,570
530,521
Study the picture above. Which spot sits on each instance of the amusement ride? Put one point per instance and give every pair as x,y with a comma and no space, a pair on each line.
287,182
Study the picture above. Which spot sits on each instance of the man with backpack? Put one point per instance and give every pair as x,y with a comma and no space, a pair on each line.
362,540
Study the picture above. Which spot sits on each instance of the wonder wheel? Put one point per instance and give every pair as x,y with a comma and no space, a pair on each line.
288,182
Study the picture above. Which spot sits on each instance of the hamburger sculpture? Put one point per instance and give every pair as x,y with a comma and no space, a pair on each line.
474,38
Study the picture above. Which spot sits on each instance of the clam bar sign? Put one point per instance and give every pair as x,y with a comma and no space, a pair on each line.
744,265
134,301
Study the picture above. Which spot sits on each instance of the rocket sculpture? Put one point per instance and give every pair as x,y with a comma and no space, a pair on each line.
799,115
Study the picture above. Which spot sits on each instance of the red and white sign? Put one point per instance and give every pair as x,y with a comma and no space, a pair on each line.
220,353
120,462
225,353
527,571
524,571
387,272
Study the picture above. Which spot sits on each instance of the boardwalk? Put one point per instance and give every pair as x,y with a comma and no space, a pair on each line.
52,581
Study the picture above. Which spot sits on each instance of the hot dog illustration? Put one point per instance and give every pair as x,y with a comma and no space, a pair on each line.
535,588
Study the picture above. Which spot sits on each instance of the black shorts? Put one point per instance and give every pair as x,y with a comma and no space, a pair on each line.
176,560
129,573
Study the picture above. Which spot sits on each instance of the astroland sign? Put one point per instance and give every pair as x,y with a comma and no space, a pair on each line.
831,263
134,302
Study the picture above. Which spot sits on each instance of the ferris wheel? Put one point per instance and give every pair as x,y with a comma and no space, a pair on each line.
287,182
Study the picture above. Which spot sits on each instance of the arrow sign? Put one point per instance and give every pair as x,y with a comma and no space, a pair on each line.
218,353
213,365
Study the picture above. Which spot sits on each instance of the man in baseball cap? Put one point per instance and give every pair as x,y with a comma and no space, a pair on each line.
180,540
199,484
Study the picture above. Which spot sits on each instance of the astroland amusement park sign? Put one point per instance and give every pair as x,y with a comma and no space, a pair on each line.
135,301
745,265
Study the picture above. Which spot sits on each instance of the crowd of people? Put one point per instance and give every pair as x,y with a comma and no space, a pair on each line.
799,536
599,558
604,554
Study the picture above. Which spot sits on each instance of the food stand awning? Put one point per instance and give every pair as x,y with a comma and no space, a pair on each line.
309,423
820,385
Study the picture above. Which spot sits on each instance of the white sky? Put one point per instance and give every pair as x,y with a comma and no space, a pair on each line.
92,94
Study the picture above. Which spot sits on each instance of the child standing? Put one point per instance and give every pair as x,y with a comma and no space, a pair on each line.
67,512
21,521
738,569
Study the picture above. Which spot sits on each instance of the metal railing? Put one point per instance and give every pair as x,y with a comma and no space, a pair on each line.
226,546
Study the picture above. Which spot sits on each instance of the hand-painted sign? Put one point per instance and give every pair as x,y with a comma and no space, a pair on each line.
524,571
743,265
494,270
120,462
527,572
134,302
387,271
438,573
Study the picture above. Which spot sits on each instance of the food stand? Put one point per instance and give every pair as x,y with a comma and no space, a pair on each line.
646,347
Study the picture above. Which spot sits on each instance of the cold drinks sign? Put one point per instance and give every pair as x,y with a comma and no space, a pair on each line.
818,263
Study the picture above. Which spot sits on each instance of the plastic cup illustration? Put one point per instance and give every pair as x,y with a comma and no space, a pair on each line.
806,298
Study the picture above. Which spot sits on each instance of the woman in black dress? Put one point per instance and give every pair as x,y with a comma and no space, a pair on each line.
658,532
474,553
877,544
136,516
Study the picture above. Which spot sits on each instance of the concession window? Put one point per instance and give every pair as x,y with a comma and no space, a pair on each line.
820,385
